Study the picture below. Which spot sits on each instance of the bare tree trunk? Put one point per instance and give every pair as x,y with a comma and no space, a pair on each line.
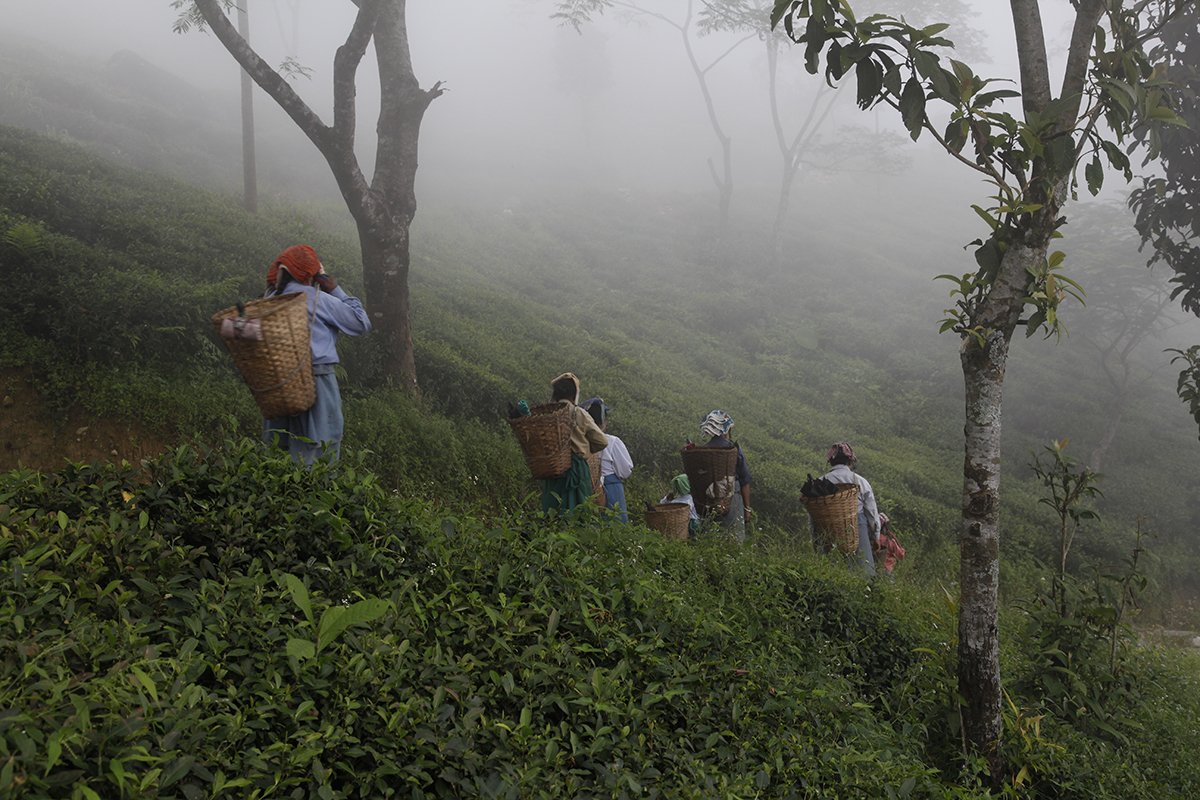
402,108
983,362
791,152
384,208
723,178
983,365
249,168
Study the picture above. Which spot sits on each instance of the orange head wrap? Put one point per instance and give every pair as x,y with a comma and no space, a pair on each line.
300,260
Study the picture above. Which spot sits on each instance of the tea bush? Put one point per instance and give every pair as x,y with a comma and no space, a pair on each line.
226,622
174,632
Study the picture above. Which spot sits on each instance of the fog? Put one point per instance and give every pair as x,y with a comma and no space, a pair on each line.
534,111
533,108
531,105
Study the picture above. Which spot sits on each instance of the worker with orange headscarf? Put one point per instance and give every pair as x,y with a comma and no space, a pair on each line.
317,431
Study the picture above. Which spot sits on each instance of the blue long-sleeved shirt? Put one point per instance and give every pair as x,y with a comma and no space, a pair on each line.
337,312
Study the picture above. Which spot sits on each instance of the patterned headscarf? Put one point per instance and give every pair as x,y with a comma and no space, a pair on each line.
717,423
841,448
299,259
680,485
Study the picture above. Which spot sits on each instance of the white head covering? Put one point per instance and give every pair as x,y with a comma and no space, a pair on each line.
716,423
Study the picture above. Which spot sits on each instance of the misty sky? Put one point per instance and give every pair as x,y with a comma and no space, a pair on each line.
533,108
528,100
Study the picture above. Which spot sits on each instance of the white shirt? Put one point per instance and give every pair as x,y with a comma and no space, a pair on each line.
615,459
686,500
866,498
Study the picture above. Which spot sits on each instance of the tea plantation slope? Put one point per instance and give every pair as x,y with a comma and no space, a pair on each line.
114,273
799,358
226,624
154,645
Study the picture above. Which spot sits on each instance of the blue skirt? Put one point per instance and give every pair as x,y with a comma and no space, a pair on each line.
864,557
317,431
614,497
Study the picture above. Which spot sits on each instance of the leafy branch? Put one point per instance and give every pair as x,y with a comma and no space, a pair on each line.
334,620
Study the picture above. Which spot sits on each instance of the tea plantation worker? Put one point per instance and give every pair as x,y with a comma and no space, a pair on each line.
312,433
564,492
716,425
615,462
889,546
842,460
681,492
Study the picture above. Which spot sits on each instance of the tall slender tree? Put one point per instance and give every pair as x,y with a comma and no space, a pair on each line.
1030,160
249,168
383,207
802,144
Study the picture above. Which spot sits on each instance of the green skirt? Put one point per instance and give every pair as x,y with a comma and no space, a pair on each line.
571,489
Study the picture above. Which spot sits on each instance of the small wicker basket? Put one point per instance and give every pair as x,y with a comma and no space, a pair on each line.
545,438
278,369
835,517
710,472
669,519
598,495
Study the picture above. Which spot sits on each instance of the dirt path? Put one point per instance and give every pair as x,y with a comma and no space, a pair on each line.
35,434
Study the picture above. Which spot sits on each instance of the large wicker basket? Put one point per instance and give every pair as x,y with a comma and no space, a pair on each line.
597,485
710,472
545,439
278,369
669,519
835,518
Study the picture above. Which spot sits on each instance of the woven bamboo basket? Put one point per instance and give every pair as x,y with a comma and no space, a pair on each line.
835,517
278,369
545,439
706,466
669,519
597,485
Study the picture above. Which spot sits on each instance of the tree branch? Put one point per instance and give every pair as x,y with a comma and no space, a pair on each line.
1087,17
345,69
1031,54
268,79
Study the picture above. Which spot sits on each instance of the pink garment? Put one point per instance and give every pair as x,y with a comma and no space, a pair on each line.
891,548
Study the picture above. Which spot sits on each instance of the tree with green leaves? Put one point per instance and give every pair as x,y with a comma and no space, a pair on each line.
1168,205
1108,87
384,206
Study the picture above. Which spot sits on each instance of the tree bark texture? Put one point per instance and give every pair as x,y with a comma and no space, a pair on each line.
383,209
983,363
983,368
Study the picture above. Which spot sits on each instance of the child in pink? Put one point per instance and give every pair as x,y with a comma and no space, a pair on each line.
889,547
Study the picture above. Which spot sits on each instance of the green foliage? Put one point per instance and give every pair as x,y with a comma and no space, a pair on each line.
226,621
121,270
1028,160
1069,485
1188,386
1077,635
